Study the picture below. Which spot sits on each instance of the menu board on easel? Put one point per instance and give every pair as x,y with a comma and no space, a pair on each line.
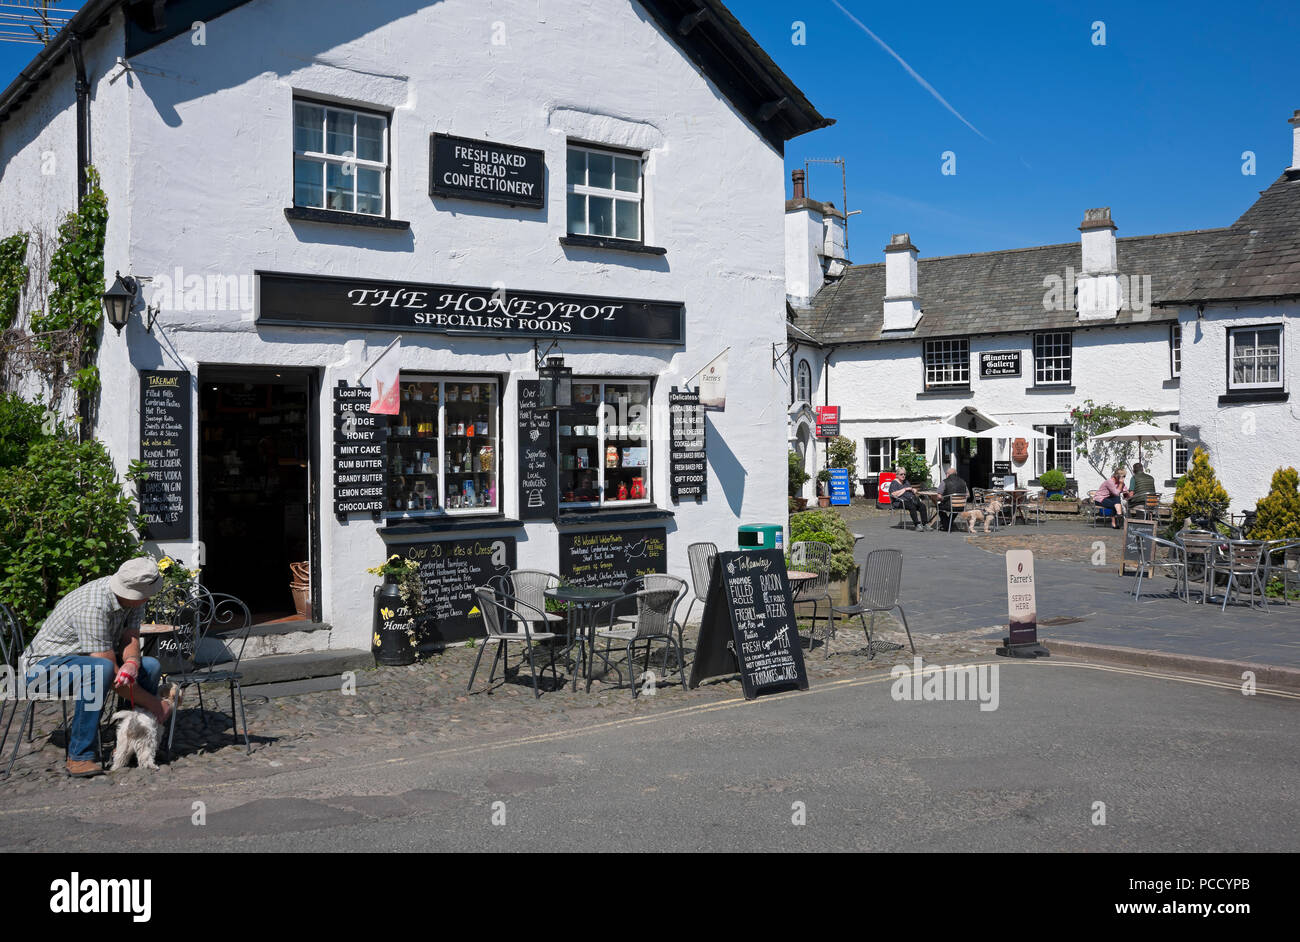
1131,558
165,436
538,466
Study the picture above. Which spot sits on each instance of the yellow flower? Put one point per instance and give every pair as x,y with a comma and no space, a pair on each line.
164,564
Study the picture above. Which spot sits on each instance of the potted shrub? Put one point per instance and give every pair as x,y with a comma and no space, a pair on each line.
797,477
823,487
826,526
1053,482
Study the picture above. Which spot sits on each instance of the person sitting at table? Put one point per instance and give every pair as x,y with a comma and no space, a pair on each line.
92,637
905,494
1141,484
1111,495
953,486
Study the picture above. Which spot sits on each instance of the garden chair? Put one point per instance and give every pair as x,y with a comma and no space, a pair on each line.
508,620
657,581
815,557
1282,561
1199,548
1243,561
878,592
653,620
223,622
529,586
1175,559
1034,506
701,557
956,505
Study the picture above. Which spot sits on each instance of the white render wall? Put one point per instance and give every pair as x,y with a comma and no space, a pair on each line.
209,131
1246,442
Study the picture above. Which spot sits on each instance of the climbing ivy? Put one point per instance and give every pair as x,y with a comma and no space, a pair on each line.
13,277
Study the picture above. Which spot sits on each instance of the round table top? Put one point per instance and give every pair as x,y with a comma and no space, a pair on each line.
152,629
798,575
579,594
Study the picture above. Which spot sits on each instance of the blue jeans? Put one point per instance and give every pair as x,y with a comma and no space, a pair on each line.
89,680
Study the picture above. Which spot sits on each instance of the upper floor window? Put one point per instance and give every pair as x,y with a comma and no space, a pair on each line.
1175,350
340,159
804,384
604,194
1180,452
1255,357
1053,359
947,363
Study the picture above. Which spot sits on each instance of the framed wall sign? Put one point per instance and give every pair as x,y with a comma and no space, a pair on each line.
469,169
999,363
828,421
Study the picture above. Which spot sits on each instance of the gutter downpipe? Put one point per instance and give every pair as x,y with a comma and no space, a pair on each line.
83,116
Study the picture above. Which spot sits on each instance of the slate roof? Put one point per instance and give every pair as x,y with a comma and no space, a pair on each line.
1258,256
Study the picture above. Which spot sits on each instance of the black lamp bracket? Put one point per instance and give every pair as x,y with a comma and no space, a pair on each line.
778,357
539,356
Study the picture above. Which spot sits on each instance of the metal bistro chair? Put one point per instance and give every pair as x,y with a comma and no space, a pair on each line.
654,619
501,612
1175,558
1282,561
878,592
1148,505
815,557
660,581
956,505
1199,548
701,556
1035,505
1243,561
222,621
529,586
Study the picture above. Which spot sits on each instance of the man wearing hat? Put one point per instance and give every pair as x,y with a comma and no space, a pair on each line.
92,637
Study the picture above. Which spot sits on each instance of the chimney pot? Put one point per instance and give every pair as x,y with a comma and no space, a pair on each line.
1098,218
798,177
1294,121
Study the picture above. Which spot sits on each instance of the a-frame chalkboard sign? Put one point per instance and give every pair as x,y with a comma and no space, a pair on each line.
749,626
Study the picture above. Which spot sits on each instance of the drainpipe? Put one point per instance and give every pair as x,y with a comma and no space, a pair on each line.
83,117
826,392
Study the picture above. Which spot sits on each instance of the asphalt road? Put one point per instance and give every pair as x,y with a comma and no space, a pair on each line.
1181,765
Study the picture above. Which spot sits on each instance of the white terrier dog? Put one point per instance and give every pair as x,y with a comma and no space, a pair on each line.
140,734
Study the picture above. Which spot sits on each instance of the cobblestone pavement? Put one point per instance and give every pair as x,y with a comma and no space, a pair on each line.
423,704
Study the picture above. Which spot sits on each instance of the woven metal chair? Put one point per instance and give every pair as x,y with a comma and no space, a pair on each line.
1174,558
815,557
1243,561
223,622
653,620
508,620
661,581
701,556
529,586
882,574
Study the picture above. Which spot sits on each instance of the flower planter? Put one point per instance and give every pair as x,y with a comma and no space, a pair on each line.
393,640
823,501
1060,506
845,593
800,503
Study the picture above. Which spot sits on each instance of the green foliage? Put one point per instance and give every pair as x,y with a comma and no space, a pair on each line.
797,476
916,465
1052,480
13,277
1091,419
65,519
826,526
842,452
21,423
406,573
1199,493
1277,516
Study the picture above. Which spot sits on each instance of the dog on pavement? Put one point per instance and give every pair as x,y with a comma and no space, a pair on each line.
140,734
988,513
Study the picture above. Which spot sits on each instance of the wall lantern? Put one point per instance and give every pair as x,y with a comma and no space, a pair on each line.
557,384
120,299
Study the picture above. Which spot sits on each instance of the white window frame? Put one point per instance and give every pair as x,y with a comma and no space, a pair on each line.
1178,451
803,390
1281,354
326,160
946,363
586,191
602,442
1049,367
879,458
1175,350
1060,455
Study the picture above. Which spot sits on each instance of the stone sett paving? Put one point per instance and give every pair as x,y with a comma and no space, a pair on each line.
426,705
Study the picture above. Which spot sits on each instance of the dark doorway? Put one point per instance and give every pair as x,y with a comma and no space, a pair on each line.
254,452
981,463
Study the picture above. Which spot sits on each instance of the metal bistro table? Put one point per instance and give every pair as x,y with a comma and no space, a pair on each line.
587,600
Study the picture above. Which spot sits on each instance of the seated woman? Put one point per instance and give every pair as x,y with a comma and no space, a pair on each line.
1111,495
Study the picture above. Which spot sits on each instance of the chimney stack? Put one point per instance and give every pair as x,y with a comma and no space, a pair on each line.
799,175
1099,290
902,306
1294,121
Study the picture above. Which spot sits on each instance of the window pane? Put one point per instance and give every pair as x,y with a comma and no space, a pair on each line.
370,191
370,138
577,214
307,122
628,216
600,219
576,167
626,456
600,170
413,449
338,188
470,469
627,171
579,446
338,133
308,176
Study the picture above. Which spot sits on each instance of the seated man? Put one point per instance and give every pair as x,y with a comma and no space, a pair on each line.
903,493
953,486
91,637
1140,485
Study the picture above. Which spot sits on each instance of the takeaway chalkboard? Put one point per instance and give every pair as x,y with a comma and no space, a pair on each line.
688,467
450,571
749,625
470,169
165,422
1132,555
608,558
538,474
360,440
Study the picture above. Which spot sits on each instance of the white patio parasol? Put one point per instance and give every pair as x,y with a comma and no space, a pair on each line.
1009,431
1137,432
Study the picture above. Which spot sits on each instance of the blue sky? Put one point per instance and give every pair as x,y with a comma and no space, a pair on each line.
1152,124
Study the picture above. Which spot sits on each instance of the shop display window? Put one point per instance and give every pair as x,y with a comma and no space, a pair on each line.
444,447
604,444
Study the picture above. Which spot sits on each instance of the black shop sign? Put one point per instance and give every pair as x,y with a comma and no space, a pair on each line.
688,473
464,168
369,304
538,467
608,558
999,363
450,571
360,439
165,437
749,625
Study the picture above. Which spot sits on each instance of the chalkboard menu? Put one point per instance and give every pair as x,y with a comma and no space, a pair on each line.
749,625
608,558
1132,555
359,452
538,475
165,423
450,571
484,170
689,471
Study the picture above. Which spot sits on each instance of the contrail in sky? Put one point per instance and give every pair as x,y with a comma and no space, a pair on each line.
910,71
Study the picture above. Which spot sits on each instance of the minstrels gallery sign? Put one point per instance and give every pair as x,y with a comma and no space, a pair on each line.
999,363
319,301
463,168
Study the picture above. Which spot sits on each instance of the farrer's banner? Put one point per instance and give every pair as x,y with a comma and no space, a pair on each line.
319,301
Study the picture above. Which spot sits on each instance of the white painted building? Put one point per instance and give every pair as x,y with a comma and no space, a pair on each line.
270,171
